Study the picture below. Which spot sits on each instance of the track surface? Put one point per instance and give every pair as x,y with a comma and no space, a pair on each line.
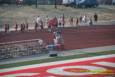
87,36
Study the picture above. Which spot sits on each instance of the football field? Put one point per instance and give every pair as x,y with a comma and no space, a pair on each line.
96,66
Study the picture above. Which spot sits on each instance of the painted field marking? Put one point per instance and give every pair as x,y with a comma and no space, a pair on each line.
108,64
60,70
71,68
56,63
21,74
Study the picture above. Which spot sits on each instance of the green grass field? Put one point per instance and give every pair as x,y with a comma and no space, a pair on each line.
58,58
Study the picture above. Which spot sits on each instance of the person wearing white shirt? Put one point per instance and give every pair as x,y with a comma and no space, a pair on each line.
38,19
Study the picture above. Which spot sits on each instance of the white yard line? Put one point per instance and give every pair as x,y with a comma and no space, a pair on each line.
108,64
55,63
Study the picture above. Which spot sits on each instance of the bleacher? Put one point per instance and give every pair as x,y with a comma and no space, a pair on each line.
21,48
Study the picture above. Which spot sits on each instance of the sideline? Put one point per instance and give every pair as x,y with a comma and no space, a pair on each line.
63,53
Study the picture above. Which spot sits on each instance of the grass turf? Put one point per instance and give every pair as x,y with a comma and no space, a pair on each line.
58,58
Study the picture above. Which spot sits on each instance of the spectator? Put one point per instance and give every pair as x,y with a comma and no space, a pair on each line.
40,41
26,26
22,27
90,21
6,27
84,19
59,42
41,24
71,21
57,33
59,22
63,20
36,26
38,21
95,17
77,22
55,21
50,25
80,19
47,19
55,41
16,27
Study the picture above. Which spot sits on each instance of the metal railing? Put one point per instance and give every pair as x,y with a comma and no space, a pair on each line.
21,48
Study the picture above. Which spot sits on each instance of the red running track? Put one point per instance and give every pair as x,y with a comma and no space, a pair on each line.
87,36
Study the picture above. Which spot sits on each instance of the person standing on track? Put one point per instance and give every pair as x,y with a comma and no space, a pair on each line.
77,23
8,27
59,22
16,27
36,26
38,21
55,22
41,24
22,27
49,25
5,29
95,17
63,20
58,39
46,21
84,19
90,21
71,21
80,19
26,26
